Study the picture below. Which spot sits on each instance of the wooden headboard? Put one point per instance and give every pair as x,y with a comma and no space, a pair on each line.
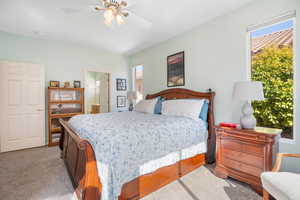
181,93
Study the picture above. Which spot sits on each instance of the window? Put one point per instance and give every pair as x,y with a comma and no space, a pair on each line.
272,63
138,82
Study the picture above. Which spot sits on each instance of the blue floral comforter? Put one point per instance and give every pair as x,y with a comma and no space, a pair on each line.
123,141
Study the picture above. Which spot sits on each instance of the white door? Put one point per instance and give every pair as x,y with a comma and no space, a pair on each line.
22,122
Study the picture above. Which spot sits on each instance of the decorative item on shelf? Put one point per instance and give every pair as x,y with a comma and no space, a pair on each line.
121,101
95,108
59,109
248,91
229,125
176,70
131,96
67,97
54,84
55,96
67,84
121,84
76,84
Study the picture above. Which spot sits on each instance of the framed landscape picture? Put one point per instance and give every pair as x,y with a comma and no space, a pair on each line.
76,84
121,101
176,70
121,84
54,83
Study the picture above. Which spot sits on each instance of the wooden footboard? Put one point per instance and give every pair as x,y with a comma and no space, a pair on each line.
80,160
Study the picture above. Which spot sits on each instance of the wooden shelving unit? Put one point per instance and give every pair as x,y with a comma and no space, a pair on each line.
62,103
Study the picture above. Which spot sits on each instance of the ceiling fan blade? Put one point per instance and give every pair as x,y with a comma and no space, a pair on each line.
106,1
125,14
98,8
140,21
130,4
123,4
92,9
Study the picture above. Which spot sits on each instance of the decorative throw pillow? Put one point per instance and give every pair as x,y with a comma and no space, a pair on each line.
183,107
204,110
146,106
157,109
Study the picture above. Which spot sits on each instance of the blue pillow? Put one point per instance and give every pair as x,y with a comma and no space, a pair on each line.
158,105
204,110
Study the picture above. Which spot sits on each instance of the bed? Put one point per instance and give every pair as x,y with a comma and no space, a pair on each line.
80,152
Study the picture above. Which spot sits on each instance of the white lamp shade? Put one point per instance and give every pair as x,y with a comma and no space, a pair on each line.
248,91
131,95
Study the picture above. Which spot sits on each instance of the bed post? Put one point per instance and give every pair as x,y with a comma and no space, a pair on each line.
211,142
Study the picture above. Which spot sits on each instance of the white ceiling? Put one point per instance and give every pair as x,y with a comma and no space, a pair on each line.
74,20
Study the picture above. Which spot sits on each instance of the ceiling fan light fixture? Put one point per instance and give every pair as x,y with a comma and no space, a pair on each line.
107,22
109,14
123,3
114,10
120,19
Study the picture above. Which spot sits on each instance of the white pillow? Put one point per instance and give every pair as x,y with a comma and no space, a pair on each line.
183,107
146,106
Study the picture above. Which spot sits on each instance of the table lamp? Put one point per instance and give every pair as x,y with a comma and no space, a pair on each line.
248,91
131,96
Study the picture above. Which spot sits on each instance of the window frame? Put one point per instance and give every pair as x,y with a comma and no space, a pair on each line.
133,69
249,65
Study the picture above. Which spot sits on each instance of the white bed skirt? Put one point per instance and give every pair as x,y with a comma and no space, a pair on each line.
153,165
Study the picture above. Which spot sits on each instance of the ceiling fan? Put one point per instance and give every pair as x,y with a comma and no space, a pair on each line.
113,10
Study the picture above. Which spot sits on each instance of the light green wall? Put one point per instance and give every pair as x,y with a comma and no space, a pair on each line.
64,61
215,57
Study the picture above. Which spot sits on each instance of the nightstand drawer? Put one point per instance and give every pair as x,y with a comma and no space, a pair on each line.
230,144
258,150
235,165
244,158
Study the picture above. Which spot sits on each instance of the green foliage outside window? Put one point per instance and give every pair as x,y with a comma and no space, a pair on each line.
273,66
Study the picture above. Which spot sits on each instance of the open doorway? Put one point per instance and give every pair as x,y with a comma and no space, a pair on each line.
137,77
97,97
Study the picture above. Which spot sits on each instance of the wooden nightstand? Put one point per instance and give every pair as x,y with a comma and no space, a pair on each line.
245,154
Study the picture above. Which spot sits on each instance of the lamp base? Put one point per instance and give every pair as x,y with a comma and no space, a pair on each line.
248,120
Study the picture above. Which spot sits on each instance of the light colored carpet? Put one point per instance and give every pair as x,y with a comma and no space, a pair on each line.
40,174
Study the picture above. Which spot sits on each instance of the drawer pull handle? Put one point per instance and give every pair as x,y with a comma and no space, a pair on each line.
243,137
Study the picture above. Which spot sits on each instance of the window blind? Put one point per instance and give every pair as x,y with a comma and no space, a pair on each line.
280,18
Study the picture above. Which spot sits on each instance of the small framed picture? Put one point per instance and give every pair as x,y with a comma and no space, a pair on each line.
54,83
66,84
121,84
76,84
121,101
